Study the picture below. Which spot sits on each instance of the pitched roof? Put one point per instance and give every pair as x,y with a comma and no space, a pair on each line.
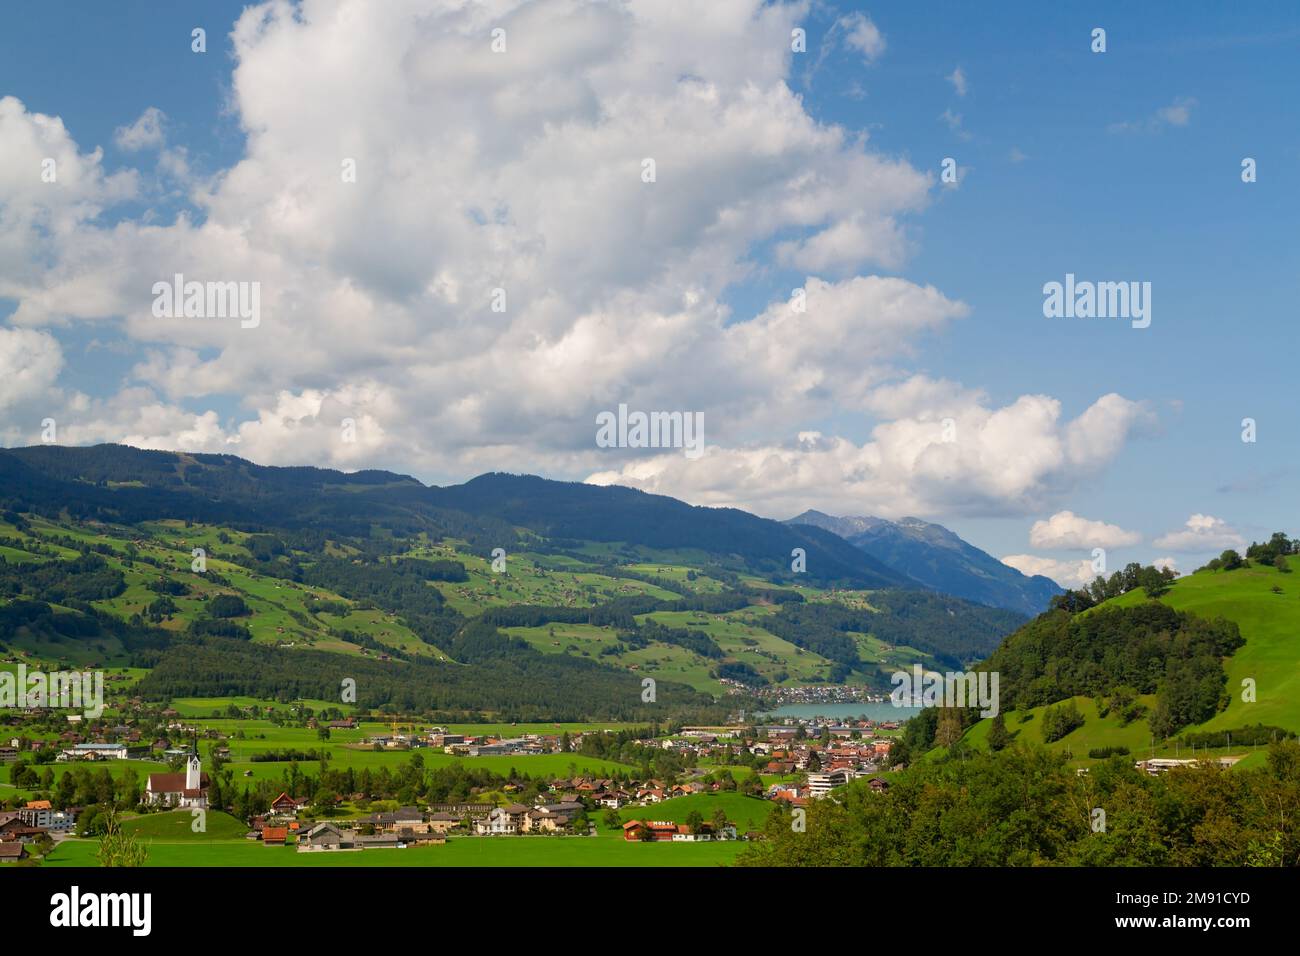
174,783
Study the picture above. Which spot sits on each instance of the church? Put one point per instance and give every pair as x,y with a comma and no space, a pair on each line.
188,789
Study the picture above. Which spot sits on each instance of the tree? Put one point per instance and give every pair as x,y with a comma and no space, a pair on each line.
719,819
695,821
949,729
611,819
999,737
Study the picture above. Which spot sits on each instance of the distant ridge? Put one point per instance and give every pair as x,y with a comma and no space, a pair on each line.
939,559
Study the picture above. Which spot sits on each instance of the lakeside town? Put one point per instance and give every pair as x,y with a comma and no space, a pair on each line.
61,785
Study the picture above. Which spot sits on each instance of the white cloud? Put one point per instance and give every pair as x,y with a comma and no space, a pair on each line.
30,362
1068,574
958,80
1166,562
49,192
863,35
145,133
522,171
1001,461
1068,531
1201,533
1178,113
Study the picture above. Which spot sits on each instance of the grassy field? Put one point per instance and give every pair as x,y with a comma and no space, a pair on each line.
747,813
1269,622
178,825
605,850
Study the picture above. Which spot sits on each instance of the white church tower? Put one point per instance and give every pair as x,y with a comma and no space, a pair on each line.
192,769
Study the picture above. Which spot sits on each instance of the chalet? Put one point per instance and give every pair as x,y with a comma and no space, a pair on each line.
275,836
877,785
551,817
12,852
188,789
660,830
8,754
12,828
285,805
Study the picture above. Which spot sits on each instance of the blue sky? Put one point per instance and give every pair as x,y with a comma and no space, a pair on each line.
1123,165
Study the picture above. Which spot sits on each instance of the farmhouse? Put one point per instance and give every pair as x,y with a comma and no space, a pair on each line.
285,805
660,830
442,822
327,836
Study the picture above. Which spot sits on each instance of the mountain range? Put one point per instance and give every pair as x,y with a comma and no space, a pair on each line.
509,594
937,558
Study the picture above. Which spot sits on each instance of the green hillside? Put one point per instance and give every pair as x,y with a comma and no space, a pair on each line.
1269,621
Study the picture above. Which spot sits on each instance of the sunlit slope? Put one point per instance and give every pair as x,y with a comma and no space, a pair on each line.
1270,623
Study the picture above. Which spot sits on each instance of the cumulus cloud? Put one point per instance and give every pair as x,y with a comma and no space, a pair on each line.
30,362
1166,562
1068,574
1068,531
941,459
522,172
1201,533
145,133
49,191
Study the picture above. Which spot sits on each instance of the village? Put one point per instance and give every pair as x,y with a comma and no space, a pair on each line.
788,763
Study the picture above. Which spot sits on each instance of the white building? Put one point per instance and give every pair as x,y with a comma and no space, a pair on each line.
188,789
820,784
